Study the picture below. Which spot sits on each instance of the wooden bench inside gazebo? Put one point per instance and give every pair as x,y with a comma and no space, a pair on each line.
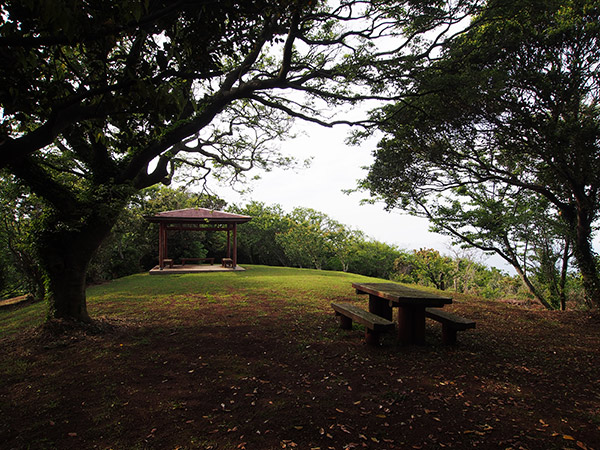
196,219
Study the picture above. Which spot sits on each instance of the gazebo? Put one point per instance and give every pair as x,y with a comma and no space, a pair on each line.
197,219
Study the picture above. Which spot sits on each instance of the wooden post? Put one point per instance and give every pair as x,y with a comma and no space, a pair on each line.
228,241
165,244
371,337
380,306
404,325
161,245
411,325
419,326
345,322
448,334
234,245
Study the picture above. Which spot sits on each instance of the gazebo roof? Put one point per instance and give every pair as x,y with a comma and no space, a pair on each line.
197,215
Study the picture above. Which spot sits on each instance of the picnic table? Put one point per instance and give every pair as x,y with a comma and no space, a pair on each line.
411,304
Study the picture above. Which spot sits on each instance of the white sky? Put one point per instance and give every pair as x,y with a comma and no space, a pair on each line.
337,166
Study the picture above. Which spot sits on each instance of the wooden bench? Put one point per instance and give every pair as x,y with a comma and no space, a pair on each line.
227,262
209,260
374,324
451,323
168,262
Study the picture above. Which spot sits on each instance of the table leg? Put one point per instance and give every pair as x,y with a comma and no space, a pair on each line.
411,325
419,326
405,325
380,306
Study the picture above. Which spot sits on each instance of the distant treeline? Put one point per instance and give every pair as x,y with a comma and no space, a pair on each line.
302,238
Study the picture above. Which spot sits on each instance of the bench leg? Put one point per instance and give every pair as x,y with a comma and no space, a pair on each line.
345,322
371,337
448,334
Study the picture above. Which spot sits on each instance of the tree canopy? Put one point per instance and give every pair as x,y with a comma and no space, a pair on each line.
498,140
103,98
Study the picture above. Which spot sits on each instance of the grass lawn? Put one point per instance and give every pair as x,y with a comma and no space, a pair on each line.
255,360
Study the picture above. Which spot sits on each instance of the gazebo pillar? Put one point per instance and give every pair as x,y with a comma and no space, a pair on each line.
234,245
162,245
228,250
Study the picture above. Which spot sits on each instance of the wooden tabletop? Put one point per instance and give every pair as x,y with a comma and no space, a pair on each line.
402,295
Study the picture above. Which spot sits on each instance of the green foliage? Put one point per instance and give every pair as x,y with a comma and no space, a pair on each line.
373,258
498,144
257,243
306,241
425,266
20,212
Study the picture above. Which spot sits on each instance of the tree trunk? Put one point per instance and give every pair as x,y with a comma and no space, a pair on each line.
65,253
67,293
580,223
531,287
586,262
563,275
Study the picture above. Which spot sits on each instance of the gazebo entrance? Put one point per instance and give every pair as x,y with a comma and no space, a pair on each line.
196,219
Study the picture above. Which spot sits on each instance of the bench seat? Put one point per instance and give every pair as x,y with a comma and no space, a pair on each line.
227,262
451,323
373,323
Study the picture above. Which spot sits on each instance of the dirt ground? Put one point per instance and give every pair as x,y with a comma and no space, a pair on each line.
266,378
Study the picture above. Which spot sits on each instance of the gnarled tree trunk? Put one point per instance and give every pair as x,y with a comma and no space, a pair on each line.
65,253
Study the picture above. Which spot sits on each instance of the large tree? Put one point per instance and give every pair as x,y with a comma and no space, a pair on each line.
509,107
102,98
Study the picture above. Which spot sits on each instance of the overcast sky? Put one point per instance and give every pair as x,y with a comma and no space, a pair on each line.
335,167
